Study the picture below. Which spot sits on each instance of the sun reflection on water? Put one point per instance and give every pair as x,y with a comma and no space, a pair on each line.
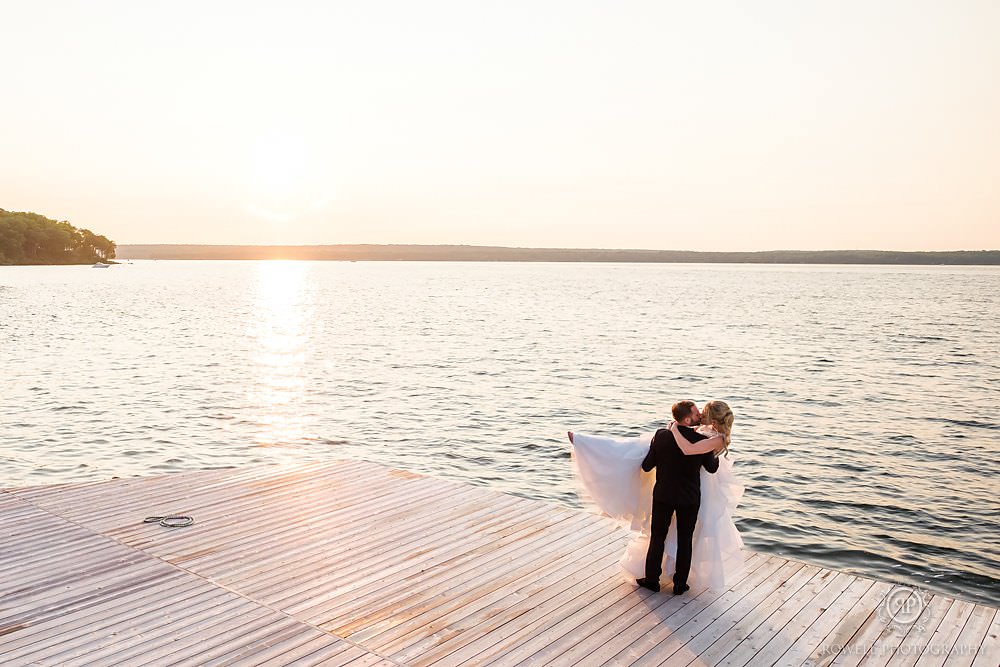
279,356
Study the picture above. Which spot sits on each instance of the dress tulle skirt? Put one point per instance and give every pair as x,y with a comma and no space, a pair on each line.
610,472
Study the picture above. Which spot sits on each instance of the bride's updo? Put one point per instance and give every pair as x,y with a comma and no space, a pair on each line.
718,415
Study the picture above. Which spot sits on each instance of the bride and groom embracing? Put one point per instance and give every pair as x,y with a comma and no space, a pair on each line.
693,481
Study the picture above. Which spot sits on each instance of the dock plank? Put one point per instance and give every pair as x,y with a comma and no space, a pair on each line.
707,629
989,650
730,640
944,638
352,563
969,642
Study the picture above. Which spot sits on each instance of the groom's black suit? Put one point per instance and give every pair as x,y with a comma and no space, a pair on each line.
678,489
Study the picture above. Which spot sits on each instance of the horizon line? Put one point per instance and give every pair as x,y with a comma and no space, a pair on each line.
468,253
545,248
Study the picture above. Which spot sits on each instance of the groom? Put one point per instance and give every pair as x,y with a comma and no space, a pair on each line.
677,491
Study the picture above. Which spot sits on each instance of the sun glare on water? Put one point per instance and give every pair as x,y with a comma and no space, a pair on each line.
280,351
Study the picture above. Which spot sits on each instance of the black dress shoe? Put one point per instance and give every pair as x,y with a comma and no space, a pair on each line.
683,588
646,582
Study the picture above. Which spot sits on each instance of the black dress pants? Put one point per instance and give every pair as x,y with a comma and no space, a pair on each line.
687,516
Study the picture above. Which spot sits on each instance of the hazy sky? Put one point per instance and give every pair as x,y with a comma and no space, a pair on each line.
692,125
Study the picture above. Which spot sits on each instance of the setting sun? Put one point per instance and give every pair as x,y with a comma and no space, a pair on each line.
280,163
284,179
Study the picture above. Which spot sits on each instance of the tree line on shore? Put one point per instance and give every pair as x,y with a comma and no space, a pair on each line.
30,238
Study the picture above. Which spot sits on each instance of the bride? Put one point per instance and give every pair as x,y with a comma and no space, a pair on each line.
610,471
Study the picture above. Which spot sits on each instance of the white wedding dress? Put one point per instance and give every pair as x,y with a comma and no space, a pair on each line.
610,472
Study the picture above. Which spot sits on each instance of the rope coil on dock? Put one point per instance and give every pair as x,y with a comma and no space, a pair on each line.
170,521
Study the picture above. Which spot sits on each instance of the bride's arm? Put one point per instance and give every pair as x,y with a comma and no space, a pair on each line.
701,447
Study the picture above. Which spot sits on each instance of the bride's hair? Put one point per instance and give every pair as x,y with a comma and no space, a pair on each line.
718,415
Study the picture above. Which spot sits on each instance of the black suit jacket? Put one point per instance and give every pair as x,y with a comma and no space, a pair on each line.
678,477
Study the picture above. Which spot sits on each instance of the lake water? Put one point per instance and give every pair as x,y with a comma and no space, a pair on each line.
866,398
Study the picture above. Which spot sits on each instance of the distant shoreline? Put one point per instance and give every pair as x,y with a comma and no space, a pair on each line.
468,253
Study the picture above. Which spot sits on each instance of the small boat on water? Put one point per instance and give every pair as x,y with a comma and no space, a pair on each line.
100,265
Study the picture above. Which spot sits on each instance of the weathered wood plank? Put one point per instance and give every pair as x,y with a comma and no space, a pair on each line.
656,610
525,647
989,653
859,592
806,616
852,621
661,641
309,534
886,644
348,563
973,635
383,553
474,568
571,646
943,639
476,615
746,651
526,560
730,639
705,629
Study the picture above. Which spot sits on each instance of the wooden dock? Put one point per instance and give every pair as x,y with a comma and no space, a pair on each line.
350,563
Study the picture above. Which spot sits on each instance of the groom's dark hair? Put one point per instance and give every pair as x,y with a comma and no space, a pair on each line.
682,409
